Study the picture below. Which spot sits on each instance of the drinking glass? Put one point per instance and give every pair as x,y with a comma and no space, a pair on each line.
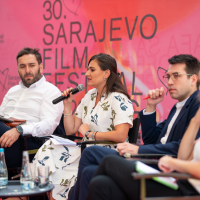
33,174
43,176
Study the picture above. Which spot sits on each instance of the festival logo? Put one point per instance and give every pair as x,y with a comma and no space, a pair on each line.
3,78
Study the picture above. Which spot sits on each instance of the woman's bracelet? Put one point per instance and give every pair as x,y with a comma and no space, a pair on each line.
92,134
95,135
65,115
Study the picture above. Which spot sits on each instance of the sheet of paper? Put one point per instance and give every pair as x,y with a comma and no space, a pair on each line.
62,141
145,169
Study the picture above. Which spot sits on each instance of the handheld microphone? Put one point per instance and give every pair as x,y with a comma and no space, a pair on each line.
73,91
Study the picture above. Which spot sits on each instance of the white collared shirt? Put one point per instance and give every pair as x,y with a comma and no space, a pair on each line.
34,104
179,106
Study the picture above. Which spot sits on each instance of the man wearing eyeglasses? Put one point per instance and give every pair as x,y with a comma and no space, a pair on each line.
182,80
164,138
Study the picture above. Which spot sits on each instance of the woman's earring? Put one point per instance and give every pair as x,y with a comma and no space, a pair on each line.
104,79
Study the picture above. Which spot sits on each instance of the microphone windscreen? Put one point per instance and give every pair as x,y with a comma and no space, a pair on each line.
80,87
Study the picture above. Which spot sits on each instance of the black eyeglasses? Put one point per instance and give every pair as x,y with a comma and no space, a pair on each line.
174,76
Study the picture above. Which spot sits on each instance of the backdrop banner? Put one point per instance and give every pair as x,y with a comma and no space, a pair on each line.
140,35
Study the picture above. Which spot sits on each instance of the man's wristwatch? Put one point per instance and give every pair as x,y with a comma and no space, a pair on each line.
19,129
86,134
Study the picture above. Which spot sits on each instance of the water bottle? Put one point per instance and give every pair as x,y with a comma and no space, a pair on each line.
3,170
25,179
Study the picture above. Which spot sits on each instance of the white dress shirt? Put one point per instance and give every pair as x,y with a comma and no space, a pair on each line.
34,104
179,106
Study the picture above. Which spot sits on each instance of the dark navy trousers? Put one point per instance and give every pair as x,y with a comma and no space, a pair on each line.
89,162
13,154
103,174
113,180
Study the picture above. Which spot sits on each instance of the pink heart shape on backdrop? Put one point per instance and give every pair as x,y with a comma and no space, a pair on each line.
3,78
160,72
72,5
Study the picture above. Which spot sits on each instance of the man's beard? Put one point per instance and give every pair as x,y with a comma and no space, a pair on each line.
28,83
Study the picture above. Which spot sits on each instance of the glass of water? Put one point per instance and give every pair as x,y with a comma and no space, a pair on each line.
33,175
43,176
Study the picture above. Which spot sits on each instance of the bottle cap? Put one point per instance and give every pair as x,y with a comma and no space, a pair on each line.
1,149
25,153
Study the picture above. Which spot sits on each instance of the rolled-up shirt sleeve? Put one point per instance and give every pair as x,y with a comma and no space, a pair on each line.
122,109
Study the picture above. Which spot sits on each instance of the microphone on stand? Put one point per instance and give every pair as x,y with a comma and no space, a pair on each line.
79,88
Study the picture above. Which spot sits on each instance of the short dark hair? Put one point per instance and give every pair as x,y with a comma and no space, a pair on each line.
192,64
28,50
113,83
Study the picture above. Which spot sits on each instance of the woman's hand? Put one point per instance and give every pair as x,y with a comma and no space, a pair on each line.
165,164
83,128
68,100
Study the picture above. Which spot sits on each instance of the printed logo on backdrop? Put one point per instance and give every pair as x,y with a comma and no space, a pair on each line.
55,10
57,32
160,72
3,78
7,81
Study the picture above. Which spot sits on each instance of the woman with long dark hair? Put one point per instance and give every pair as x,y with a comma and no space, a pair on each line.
105,113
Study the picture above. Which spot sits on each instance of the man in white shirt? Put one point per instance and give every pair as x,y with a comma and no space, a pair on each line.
31,100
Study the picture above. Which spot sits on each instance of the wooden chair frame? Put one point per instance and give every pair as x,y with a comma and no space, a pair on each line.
143,177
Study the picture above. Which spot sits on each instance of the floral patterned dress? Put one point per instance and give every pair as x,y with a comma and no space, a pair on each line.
63,160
